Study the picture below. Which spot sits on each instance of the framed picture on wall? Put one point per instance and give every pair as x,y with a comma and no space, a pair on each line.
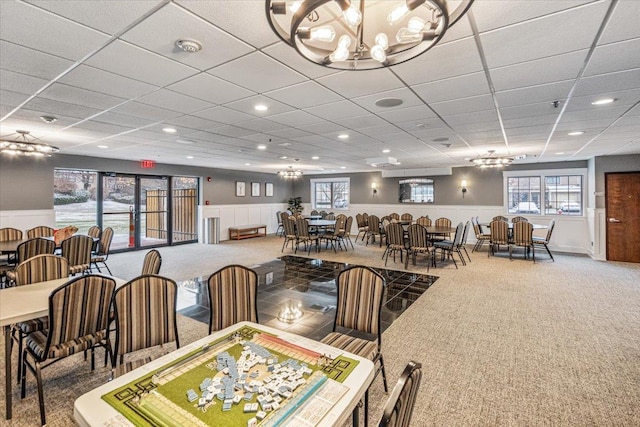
255,189
240,190
268,189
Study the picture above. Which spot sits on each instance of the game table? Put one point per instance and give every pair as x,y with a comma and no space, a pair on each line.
158,393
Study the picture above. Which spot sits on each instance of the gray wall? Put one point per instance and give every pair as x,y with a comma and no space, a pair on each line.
27,183
627,163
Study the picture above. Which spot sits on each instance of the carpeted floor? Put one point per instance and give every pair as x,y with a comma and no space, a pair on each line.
501,342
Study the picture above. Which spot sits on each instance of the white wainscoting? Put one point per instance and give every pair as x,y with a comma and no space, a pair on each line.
25,220
235,215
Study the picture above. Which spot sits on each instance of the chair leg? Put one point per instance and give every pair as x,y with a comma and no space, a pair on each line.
549,252
108,269
465,251
20,345
384,374
366,408
38,373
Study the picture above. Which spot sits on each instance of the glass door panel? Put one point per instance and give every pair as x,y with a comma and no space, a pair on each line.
118,209
153,227
184,205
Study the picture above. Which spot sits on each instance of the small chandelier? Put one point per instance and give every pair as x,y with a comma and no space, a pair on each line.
492,162
290,173
21,143
333,32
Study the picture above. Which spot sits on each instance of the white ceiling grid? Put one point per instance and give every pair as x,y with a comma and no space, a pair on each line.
112,75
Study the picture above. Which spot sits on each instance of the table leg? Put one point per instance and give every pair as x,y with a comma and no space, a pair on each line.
356,416
7,370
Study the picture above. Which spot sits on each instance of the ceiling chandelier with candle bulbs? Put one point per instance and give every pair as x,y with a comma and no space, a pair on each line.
21,143
363,34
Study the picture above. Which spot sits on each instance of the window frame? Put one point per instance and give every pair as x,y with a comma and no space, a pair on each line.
543,174
312,190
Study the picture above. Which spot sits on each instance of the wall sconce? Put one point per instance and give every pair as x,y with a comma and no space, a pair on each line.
463,185
374,189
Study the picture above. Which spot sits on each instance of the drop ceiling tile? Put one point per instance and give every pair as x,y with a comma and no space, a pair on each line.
175,101
286,54
101,127
223,115
91,78
623,24
273,75
114,16
193,122
289,133
555,34
361,83
261,125
473,118
453,88
441,62
20,83
31,62
145,111
232,131
131,61
528,110
122,120
379,131
57,108
408,98
615,57
295,118
24,24
419,112
12,99
212,89
361,122
466,105
247,105
322,128
601,85
627,98
30,119
74,95
337,110
303,95
530,121
159,33
557,91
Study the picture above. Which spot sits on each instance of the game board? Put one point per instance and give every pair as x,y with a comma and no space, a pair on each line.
247,378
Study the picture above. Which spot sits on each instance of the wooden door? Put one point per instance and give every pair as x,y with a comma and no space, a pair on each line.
622,191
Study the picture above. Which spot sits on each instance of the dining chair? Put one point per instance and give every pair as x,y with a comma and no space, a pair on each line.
398,410
395,242
518,219
94,231
499,235
500,218
232,297
359,303
463,242
523,237
77,250
480,236
279,220
102,254
424,221
394,215
335,235
39,268
289,225
303,236
347,231
406,217
7,234
362,226
418,244
29,249
544,241
145,316
152,263
78,316
40,231
442,222
330,216
314,213
448,247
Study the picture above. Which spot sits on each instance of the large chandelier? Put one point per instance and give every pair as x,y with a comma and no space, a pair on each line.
21,143
363,34
492,161
290,173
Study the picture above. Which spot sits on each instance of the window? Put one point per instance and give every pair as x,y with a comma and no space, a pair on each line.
74,198
416,190
330,193
545,192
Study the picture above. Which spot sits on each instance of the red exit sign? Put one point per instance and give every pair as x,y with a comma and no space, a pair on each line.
147,164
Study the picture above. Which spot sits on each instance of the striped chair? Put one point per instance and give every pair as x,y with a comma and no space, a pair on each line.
442,222
395,242
29,249
40,231
500,218
394,215
7,234
374,229
347,231
78,316
499,235
523,237
335,236
361,222
360,298
152,263
289,225
145,314
480,236
39,268
544,241
77,250
424,221
518,219
303,235
94,231
406,217
418,244
104,246
232,297
399,407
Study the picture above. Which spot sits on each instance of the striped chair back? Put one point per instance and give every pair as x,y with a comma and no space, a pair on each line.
399,407
40,231
145,310
232,297
314,212
418,237
152,263
424,221
341,223
518,219
360,296
41,268
499,232
394,215
374,224
9,233
33,247
330,216
406,217
347,225
78,315
341,216
522,233
302,227
94,231
500,218
365,218
289,227
443,222
284,215
395,235
105,242
77,250
476,227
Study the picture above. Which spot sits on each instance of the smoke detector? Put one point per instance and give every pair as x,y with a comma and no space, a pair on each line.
189,45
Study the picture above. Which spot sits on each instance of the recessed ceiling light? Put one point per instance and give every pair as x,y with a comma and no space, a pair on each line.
560,153
260,107
48,119
398,163
603,101
343,167
262,147
343,136
247,164
189,157
315,158
576,133
386,150
169,130
282,157
103,146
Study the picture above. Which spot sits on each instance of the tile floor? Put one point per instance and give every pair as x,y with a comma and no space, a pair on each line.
308,285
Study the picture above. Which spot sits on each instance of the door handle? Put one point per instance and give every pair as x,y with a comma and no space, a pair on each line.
614,220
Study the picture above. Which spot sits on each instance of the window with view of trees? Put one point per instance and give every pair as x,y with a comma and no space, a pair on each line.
416,190
74,198
330,194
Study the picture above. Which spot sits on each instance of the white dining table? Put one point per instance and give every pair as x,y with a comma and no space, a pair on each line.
21,303
91,410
